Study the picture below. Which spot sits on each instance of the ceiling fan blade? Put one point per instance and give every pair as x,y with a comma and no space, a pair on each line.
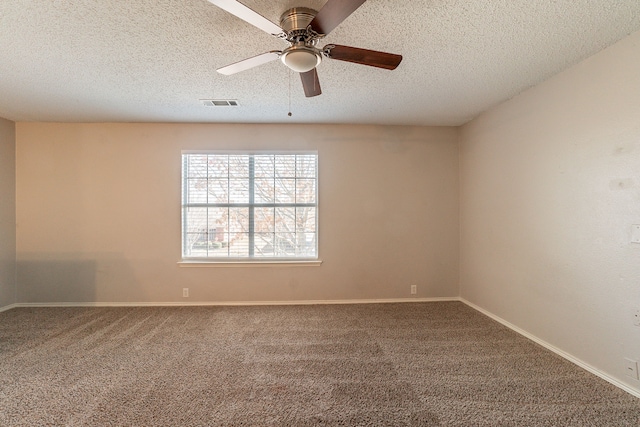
310,83
243,12
373,58
333,13
249,63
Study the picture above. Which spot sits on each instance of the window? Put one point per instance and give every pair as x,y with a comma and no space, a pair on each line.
249,206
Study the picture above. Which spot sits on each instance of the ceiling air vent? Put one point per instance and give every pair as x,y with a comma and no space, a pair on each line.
219,102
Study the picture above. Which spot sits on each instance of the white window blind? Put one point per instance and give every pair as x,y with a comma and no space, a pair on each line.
249,206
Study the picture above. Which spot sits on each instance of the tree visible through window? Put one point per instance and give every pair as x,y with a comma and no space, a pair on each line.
249,206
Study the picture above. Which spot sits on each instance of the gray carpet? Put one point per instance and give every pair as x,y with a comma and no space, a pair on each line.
422,364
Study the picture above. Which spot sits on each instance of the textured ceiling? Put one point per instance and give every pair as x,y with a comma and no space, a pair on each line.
153,60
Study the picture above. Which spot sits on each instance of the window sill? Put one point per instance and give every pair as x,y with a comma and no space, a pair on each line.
232,264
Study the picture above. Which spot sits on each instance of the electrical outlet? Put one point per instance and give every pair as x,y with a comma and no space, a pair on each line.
414,289
185,292
631,368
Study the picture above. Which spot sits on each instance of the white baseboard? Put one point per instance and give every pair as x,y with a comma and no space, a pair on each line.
8,307
232,303
556,350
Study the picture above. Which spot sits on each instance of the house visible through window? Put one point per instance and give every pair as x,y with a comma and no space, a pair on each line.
249,206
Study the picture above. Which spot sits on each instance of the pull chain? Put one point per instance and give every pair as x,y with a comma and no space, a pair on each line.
290,114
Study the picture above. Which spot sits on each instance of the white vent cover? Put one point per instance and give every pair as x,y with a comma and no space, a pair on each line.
219,102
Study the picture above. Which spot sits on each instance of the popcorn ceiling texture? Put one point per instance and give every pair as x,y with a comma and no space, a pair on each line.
152,60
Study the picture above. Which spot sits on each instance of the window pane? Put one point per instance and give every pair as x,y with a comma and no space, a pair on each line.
196,190
239,166
196,166
285,166
195,245
306,190
217,217
263,245
196,220
218,190
197,235
264,190
285,190
238,191
306,220
285,220
263,166
263,220
285,244
306,244
214,246
238,220
306,166
218,166
238,245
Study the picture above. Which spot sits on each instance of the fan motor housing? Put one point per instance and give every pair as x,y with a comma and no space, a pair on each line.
297,18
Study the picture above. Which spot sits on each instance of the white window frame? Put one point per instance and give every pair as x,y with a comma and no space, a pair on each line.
251,259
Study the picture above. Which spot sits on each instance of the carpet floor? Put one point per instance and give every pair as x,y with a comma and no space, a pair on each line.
415,364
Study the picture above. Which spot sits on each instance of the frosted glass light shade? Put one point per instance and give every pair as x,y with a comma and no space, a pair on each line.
301,60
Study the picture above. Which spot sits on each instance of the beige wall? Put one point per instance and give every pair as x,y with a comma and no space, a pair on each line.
98,208
550,186
7,214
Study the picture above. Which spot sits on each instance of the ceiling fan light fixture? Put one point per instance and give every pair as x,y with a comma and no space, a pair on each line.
301,58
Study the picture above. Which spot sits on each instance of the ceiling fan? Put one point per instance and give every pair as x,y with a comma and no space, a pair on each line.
302,28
